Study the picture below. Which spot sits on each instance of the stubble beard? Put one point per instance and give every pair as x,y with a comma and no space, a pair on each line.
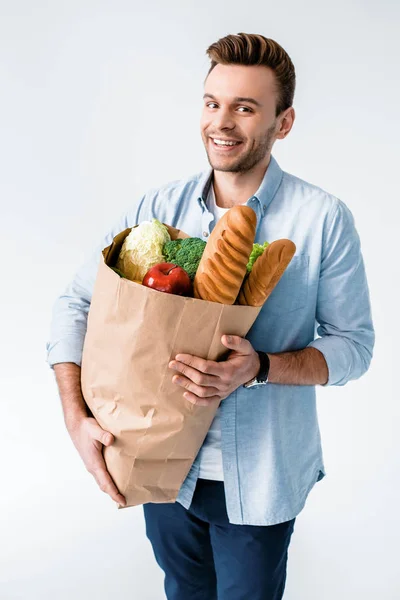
249,160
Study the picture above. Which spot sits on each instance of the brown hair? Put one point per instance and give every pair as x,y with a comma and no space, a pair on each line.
255,49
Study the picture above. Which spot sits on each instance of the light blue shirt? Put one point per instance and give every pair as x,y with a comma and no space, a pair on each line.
210,456
271,446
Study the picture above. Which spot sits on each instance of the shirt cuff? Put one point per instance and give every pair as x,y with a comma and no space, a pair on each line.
338,357
69,349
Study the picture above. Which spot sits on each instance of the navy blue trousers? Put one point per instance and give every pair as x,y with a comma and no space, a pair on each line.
204,557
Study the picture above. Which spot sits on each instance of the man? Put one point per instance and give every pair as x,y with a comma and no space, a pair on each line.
228,534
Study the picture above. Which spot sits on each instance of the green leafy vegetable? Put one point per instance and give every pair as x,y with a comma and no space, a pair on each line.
185,253
170,249
120,273
258,249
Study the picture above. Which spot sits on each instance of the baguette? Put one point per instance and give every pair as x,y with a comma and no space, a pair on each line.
266,272
222,266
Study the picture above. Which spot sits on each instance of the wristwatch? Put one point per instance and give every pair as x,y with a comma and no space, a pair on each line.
262,376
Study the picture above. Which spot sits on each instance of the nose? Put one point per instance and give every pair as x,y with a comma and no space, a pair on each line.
223,120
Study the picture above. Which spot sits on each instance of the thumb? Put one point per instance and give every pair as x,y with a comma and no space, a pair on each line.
232,341
105,437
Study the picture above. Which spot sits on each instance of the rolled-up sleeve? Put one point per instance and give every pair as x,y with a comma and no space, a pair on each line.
70,311
343,311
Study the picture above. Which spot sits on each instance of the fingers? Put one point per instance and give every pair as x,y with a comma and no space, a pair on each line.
199,390
97,466
104,481
105,437
107,485
209,367
200,384
194,399
195,376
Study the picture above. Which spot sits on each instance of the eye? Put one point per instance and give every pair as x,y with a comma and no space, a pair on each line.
245,107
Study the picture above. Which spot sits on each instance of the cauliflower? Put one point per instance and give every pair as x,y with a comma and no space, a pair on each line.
142,249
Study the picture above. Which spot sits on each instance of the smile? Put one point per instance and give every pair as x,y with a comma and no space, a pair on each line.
225,146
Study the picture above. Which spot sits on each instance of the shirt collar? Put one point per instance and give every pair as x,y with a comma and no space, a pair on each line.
264,195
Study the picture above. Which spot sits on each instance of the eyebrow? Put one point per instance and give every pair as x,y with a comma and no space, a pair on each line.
237,99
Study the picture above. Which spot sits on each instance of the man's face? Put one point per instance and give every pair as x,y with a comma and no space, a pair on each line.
227,117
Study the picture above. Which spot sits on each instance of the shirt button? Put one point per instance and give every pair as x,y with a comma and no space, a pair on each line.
205,233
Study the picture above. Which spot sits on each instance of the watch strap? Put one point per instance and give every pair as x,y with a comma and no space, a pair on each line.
262,375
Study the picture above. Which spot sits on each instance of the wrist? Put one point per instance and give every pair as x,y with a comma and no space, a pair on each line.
73,420
261,375
255,368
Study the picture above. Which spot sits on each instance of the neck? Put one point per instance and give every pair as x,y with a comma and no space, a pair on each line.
231,189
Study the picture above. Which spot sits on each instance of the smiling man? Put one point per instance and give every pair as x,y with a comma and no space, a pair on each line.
227,535
239,129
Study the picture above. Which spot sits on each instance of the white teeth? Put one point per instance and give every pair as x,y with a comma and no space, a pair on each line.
223,143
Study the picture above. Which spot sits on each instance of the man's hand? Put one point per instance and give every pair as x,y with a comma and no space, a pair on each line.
207,381
89,438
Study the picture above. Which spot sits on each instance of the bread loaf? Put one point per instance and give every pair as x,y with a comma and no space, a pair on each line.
223,264
266,272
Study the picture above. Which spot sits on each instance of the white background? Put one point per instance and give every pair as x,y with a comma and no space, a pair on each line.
101,101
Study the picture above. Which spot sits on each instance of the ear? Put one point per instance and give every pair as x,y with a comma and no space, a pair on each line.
286,123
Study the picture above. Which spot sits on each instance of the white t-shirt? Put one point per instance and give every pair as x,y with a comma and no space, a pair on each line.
210,453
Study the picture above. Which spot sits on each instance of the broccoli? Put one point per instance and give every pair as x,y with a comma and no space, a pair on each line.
170,249
258,249
185,253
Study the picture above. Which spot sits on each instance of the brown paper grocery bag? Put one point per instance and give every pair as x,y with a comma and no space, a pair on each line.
132,333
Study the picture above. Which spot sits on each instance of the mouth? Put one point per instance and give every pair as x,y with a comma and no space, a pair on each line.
225,147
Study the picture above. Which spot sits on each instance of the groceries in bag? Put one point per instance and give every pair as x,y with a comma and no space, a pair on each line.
230,268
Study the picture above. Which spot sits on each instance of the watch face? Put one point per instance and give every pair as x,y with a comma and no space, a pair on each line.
249,383
255,383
